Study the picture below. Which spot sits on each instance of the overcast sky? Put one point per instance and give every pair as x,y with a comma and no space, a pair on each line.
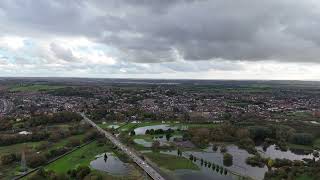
214,39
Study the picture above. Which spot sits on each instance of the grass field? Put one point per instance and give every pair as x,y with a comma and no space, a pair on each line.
128,127
33,88
18,147
171,162
65,141
10,170
107,125
302,147
82,156
304,177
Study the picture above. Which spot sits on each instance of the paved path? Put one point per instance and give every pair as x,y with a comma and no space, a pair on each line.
147,168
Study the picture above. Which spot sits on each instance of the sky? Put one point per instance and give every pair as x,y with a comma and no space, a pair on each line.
162,39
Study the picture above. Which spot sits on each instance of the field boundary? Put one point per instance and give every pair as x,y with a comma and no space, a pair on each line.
53,160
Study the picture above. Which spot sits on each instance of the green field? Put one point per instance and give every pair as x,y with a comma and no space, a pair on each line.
82,156
18,147
108,124
302,147
304,177
171,162
128,127
34,88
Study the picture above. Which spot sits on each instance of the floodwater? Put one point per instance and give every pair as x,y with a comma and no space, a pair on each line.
112,164
143,142
161,138
239,165
142,130
113,126
274,153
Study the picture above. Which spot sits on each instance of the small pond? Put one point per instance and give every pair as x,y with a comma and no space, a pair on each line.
112,164
113,126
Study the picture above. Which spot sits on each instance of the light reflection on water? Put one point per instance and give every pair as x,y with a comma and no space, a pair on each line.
239,165
142,130
274,153
111,164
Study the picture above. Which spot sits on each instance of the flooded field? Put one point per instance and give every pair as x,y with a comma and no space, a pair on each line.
110,164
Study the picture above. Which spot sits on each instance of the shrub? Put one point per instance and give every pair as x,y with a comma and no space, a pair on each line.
223,149
227,159
256,160
214,147
8,158
302,138
73,142
35,160
82,171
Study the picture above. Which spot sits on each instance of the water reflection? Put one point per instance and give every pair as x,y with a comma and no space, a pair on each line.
203,174
110,164
239,166
161,138
143,142
113,126
142,130
274,153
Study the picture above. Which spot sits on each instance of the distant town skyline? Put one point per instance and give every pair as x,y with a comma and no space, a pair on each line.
169,39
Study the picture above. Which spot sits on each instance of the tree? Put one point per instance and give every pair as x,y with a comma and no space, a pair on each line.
223,149
73,142
214,147
168,136
302,138
270,163
147,131
259,132
35,160
191,157
155,145
132,133
8,158
82,171
227,159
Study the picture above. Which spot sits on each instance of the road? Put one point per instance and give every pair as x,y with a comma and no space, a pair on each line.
146,167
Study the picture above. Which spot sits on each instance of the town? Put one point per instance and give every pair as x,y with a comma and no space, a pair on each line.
40,122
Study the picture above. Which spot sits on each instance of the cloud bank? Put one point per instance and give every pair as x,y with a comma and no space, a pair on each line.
274,39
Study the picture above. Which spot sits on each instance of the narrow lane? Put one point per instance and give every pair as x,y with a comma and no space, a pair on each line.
147,168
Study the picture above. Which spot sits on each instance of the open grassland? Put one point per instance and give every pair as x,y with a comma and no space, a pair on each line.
82,156
16,148
11,170
33,88
171,162
305,177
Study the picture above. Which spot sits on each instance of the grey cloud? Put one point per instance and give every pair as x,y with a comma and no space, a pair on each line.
62,53
152,31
